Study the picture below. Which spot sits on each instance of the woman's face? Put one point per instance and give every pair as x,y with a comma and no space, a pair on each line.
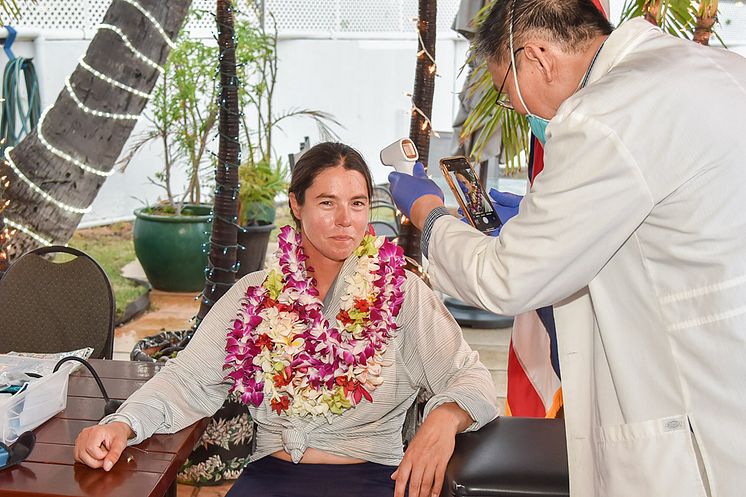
334,215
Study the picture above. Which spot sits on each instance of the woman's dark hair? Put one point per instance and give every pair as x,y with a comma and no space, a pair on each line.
323,156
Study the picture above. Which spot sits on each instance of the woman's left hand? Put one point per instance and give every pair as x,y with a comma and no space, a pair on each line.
426,458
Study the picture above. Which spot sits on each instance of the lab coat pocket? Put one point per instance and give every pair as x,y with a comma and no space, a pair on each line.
654,458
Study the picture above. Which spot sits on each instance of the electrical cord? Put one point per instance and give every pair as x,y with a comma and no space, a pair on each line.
111,405
20,106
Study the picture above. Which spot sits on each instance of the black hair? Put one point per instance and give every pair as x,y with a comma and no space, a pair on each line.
571,23
324,156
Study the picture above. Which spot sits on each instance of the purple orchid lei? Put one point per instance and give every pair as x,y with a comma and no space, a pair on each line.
281,345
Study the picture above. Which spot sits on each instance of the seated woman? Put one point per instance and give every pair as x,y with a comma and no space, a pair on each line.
329,347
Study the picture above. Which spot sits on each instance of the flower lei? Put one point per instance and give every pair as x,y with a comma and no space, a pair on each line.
281,344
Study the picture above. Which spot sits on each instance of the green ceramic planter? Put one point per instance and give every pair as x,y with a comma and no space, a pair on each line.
170,248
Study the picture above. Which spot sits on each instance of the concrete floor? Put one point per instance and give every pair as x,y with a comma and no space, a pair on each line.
174,311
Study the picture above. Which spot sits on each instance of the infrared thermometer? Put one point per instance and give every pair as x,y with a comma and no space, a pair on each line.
401,155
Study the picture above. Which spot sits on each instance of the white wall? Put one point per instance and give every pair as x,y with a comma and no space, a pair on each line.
363,83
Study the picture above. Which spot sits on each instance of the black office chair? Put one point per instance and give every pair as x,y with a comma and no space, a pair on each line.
384,219
51,307
382,194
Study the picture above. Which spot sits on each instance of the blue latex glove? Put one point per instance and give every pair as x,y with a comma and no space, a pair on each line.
407,189
505,203
506,206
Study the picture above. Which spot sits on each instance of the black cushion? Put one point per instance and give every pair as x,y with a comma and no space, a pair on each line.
466,315
510,457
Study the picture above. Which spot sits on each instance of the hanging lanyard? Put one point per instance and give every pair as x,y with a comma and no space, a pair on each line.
590,67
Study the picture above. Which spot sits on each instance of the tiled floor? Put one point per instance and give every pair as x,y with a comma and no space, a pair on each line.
189,491
173,311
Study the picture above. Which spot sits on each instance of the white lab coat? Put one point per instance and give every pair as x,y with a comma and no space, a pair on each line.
636,229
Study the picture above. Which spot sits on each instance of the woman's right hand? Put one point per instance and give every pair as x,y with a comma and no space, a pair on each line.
101,445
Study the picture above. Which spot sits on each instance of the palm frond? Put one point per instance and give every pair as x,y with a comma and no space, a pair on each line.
10,10
676,17
486,118
324,122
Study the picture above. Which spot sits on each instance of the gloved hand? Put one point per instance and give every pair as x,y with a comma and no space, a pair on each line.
505,204
407,189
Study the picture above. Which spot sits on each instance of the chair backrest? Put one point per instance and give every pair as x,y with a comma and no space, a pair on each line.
382,194
383,228
380,211
50,306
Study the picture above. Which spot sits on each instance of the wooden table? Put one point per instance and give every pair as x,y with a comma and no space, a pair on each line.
50,469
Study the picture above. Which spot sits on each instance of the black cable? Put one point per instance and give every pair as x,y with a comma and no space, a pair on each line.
111,405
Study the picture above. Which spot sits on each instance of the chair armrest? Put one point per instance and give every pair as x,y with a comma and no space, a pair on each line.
510,457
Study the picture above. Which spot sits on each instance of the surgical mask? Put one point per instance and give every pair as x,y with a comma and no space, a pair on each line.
538,126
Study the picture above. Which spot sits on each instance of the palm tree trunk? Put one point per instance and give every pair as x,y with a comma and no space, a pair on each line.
91,143
3,255
221,271
706,19
652,11
422,98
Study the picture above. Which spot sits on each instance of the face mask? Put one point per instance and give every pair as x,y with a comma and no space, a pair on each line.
538,127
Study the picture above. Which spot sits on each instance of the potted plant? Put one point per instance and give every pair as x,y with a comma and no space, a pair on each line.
262,175
260,184
170,236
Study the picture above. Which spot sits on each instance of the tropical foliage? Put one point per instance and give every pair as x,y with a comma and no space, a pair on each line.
10,10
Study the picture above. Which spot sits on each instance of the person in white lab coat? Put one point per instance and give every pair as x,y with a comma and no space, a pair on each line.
636,228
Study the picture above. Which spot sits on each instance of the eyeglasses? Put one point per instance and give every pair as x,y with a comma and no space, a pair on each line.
503,100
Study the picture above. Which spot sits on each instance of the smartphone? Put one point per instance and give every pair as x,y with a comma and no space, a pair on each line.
475,204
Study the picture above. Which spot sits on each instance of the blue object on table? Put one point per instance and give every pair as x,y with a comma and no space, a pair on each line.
18,452
11,389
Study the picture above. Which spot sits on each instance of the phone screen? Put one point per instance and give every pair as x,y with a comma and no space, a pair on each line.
471,197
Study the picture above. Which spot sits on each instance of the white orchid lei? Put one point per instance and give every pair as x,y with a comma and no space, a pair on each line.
281,345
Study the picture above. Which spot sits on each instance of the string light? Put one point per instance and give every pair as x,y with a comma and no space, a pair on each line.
132,48
424,51
45,195
5,234
152,19
112,81
94,112
62,155
426,123
29,232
